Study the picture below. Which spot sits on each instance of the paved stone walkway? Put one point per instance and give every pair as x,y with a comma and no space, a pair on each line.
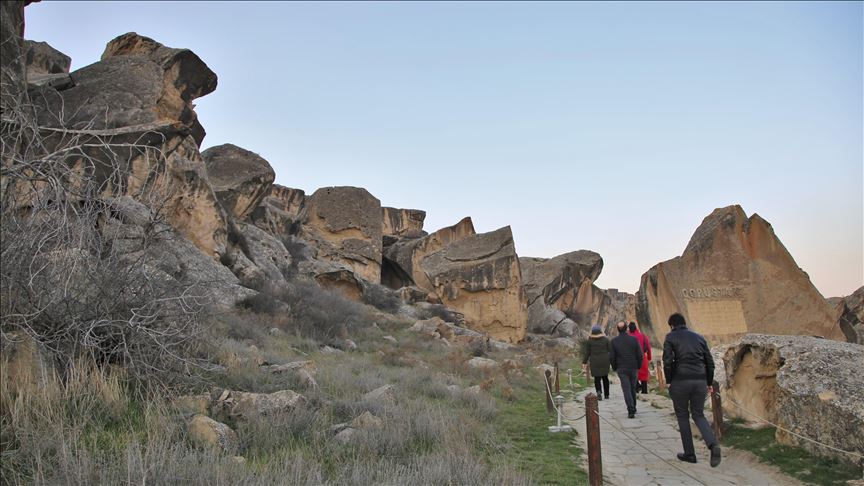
625,463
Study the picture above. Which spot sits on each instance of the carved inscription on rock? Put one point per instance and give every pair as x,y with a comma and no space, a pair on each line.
717,316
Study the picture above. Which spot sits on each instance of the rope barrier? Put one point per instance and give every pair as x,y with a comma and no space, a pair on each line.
672,464
549,392
753,414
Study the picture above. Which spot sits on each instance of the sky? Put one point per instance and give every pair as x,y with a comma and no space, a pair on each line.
614,127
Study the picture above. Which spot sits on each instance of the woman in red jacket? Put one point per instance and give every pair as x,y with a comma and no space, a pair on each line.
644,375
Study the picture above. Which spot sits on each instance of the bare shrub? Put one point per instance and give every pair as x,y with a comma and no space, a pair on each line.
75,276
381,298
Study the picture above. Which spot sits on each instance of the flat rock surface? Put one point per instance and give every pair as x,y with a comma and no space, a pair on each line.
626,462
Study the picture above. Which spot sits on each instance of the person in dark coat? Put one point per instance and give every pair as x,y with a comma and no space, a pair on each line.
644,375
596,352
689,368
625,356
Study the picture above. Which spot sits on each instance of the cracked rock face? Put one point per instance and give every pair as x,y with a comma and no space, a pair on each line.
406,255
850,311
240,178
813,387
734,277
345,224
403,222
479,277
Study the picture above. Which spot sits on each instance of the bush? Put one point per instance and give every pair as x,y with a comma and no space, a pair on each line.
381,298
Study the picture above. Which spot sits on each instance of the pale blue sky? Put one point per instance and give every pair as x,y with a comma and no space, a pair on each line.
614,127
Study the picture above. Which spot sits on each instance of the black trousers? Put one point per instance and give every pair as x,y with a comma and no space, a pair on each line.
688,399
605,381
643,386
628,386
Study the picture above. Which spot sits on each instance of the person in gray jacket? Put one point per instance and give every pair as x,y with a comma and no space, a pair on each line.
689,370
625,356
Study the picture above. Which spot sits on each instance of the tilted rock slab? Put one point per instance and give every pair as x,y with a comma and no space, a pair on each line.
236,404
403,260
344,224
850,311
239,177
402,222
813,387
138,100
734,277
479,277
281,211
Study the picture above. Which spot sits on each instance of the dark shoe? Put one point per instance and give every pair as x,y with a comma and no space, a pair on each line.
715,455
686,458
631,415
600,398
607,397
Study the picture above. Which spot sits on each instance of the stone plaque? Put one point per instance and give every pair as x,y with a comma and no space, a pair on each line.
717,316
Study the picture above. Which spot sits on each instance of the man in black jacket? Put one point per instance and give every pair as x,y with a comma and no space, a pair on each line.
625,356
689,370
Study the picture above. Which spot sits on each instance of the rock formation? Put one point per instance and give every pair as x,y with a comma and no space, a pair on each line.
345,224
138,101
403,259
479,276
810,386
239,177
734,277
402,222
281,211
41,58
850,312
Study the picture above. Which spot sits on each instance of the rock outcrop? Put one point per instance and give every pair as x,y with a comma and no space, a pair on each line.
41,58
479,276
281,211
403,259
134,110
734,277
850,312
402,222
810,386
239,178
13,79
344,224
208,433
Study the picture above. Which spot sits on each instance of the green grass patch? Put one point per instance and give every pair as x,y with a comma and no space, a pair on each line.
546,457
793,461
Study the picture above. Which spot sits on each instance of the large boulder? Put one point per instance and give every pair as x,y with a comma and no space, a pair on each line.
13,80
257,258
41,58
242,405
734,277
552,288
479,277
133,115
808,386
344,225
402,222
850,312
208,433
239,177
281,211
402,265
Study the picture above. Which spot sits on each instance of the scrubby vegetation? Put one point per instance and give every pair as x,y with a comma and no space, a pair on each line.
96,425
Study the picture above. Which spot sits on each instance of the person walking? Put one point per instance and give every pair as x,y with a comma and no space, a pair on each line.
596,353
689,368
625,356
644,375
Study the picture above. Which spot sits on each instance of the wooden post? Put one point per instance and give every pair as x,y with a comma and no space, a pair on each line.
557,380
717,411
661,376
546,391
592,428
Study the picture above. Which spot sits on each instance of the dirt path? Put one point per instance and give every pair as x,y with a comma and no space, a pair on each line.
626,463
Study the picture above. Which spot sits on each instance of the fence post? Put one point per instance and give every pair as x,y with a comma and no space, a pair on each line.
592,428
661,376
717,411
557,380
547,391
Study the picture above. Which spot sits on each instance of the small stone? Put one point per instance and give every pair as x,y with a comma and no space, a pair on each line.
390,339
382,393
366,421
239,460
345,435
206,432
482,363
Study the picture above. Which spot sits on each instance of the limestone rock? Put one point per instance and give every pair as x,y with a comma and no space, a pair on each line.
345,435
41,58
281,211
344,224
402,260
293,366
434,327
138,100
402,222
366,421
208,433
256,257
190,405
850,311
384,393
479,277
808,385
734,277
482,363
236,404
240,178
341,280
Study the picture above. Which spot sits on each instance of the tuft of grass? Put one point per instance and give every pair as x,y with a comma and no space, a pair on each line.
793,461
